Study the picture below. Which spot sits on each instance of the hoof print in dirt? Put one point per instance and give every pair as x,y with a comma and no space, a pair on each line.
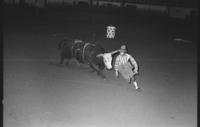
57,64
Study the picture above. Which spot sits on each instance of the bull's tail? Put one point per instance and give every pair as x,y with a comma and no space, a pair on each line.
62,43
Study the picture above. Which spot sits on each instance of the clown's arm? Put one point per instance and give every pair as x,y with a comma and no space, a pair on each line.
133,63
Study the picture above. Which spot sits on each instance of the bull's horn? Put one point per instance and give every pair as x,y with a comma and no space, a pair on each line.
99,55
113,52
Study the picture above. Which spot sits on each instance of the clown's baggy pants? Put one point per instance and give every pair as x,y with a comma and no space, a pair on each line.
126,70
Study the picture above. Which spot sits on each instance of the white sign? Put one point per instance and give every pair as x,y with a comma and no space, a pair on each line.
111,32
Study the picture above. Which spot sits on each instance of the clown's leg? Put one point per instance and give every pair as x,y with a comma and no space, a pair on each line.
135,84
133,80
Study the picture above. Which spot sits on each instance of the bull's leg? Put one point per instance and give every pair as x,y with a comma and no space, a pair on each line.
99,72
93,70
62,58
59,63
77,62
67,62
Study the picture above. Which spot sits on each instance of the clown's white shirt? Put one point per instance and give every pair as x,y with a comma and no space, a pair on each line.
122,59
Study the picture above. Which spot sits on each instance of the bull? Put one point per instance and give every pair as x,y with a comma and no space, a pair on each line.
87,53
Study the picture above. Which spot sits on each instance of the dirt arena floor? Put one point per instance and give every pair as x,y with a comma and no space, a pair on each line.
37,94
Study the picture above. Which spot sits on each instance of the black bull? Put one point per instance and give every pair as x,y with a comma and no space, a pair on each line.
85,53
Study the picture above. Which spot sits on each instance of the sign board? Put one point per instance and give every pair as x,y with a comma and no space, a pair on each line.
110,32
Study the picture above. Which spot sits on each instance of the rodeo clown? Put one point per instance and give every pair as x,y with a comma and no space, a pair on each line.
126,65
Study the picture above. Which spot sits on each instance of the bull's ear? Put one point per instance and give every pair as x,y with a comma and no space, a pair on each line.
100,55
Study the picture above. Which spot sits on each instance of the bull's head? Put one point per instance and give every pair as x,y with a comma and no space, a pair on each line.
107,59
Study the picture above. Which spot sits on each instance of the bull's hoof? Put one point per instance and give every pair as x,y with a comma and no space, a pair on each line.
104,77
78,64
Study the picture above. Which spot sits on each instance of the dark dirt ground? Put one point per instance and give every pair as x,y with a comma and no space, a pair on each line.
37,94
